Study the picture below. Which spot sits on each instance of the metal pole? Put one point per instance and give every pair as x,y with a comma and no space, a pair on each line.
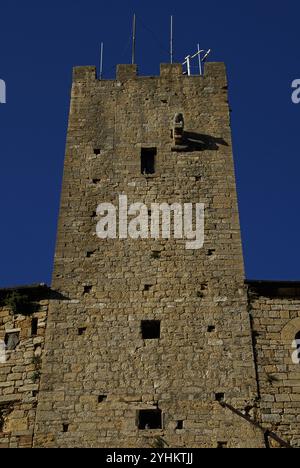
171,43
188,64
199,58
133,39
101,61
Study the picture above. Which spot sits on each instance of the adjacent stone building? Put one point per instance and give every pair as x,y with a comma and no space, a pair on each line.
149,343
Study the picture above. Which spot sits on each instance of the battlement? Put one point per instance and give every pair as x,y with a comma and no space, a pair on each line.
126,72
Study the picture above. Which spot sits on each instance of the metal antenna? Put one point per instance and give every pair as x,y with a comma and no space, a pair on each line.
188,59
133,39
199,58
171,42
101,61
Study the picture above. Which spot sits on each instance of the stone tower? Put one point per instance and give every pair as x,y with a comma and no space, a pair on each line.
149,338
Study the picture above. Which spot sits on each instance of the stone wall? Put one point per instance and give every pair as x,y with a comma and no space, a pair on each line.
22,330
275,311
99,375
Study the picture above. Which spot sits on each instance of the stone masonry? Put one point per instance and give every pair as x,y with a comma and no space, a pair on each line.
99,374
23,331
148,343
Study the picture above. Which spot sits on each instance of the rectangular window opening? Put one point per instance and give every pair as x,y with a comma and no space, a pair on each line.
222,445
34,326
220,397
179,426
87,289
150,419
102,398
148,159
150,329
81,331
156,254
90,253
65,428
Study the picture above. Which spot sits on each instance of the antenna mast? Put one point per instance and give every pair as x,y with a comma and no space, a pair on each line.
101,61
200,61
133,39
171,41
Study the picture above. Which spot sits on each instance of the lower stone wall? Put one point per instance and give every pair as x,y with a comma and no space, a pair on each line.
275,312
21,345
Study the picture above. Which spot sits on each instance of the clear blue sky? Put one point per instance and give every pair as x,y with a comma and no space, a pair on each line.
41,41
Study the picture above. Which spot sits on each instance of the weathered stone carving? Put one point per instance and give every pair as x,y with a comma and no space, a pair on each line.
178,129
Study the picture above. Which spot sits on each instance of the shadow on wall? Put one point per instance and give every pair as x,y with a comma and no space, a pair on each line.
200,142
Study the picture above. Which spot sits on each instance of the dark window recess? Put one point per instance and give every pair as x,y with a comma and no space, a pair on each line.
297,338
81,331
87,289
96,181
34,326
94,214
179,426
203,288
150,419
12,340
198,178
155,254
211,252
35,394
148,156
150,329
102,398
65,427
211,328
220,397
90,254
147,287
222,445
97,151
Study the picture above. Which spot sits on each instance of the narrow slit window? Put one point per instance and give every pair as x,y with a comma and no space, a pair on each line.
150,419
148,160
34,326
150,329
65,428
297,339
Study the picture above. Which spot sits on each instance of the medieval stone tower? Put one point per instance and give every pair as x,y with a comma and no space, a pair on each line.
144,342
149,337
